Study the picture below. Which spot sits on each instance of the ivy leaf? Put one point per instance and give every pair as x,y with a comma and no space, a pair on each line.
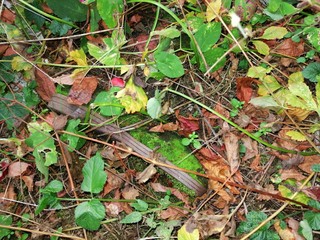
312,72
169,64
274,33
94,175
132,97
89,214
110,11
133,217
261,47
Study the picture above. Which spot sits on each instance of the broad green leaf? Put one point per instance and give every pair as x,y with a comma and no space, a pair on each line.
312,72
261,47
71,9
213,8
274,33
269,85
133,217
54,186
184,234
253,219
313,219
132,97
169,64
20,64
170,32
274,5
300,197
211,56
296,135
298,88
89,214
306,230
74,142
154,108
107,103
258,72
108,55
140,205
207,35
94,176
59,28
315,168
110,11
314,37
7,221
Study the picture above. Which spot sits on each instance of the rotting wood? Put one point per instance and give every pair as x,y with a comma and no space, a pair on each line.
59,103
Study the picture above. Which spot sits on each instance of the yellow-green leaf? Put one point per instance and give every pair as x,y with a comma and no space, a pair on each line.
258,72
132,97
78,56
186,234
297,136
19,64
274,33
213,8
269,85
261,47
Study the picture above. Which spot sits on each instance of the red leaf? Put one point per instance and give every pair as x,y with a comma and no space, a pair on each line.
118,82
187,125
244,88
4,164
82,90
46,88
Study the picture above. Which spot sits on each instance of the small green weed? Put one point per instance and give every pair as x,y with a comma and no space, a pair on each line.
193,139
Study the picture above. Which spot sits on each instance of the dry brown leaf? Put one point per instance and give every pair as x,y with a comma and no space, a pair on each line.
160,188
147,173
65,79
28,180
17,169
294,225
298,113
291,173
292,161
255,164
130,193
113,182
285,234
251,148
270,189
308,162
173,213
231,142
45,86
82,90
290,48
59,122
113,209
8,194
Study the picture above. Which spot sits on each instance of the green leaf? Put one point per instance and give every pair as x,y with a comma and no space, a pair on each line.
20,64
196,144
186,141
89,214
274,33
140,205
207,35
306,230
261,47
258,72
71,9
108,55
7,221
169,64
300,197
74,142
314,37
107,103
154,108
184,234
58,28
170,32
313,219
211,56
110,11
94,175
315,168
54,186
269,85
253,220
312,72
133,217
296,135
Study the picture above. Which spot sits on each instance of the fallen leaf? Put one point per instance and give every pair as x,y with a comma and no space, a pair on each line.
136,18
313,192
251,148
65,79
45,86
244,88
164,127
130,193
82,90
255,164
284,233
17,169
113,182
28,180
291,173
147,173
231,142
141,40
295,225
290,48
59,122
7,16
308,162
188,231
270,189
292,161
4,164
113,209
187,125
213,10
8,194
173,213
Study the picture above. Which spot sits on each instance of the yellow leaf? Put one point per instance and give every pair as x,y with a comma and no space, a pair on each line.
295,135
213,9
78,56
19,64
132,97
261,47
188,234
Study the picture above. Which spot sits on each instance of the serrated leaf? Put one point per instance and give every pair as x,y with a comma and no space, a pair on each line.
110,11
169,64
274,33
297,136
71,9
213,8
258,72
312,72
207,35
184,234
132,97
269,85
170,32
94,176
133,217
261,47
89,214
154,108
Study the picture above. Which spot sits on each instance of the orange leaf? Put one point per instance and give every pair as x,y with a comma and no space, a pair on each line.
82,90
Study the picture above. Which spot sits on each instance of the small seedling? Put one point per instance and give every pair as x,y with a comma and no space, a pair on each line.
236,106
193,139
263,130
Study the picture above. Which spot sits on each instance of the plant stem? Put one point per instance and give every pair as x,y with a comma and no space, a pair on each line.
239,128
